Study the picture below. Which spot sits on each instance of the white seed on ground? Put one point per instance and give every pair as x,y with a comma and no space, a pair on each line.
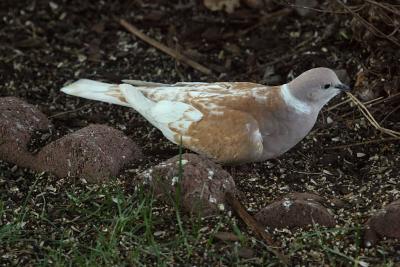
287,203
175,180
212,199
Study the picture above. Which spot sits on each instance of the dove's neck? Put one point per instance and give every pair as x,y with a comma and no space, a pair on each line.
299,105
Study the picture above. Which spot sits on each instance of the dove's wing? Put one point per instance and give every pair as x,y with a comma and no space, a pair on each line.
187,91
172,118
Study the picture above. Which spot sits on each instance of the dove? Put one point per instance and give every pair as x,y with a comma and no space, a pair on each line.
229,122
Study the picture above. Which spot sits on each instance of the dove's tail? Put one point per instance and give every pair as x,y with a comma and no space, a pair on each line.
94,90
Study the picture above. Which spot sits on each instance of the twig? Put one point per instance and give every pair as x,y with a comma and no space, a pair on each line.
373,102
378,101
369,103
263,20
254,225
178,56
364,143
69,111
369,26
307,8
390,113
383,6
339,104
371,119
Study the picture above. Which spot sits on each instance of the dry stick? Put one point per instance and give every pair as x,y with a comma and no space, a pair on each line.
254,225
69,111
390,113
368,25
370,118
263,20
364,143
378,101
389,8
178,56
369,103
307,8
338,105
373,102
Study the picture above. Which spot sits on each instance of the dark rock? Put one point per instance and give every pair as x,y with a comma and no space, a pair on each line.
385,223
296,210
96,153
18,121
202,183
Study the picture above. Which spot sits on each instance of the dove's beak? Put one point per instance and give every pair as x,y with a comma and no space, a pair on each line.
343,87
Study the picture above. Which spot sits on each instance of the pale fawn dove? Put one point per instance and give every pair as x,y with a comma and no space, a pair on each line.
230,122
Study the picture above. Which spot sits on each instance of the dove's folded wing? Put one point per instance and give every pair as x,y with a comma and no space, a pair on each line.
173,118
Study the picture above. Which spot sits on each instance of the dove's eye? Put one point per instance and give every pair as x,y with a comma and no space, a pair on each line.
326,86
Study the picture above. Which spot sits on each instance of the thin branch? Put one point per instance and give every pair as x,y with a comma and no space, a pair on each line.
383,6
69,111
338,105
369,26
364,143
390,113
371,119
263,20
175,54
254,225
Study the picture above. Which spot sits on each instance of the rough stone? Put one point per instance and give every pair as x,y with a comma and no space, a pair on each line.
201,182
385,223
96,152
18,121
296,210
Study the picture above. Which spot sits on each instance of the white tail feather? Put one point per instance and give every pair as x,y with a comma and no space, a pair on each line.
94,90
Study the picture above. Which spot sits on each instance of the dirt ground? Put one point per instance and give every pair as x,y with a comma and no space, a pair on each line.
44,45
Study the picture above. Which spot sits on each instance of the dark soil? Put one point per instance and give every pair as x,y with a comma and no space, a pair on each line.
44,45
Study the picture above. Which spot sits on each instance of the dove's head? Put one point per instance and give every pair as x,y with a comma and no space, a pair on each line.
316,86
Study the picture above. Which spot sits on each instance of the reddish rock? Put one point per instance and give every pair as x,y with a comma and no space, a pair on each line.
202,183
296,210
385,223
96,153
18,120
